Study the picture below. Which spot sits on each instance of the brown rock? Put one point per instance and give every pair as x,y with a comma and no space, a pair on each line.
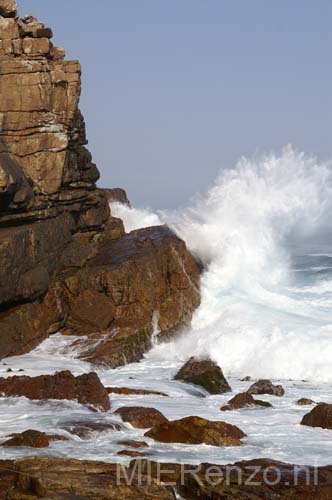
126,283
86,389
141,417
320,416
206,374
273,480
305,401
8,8
243,400
33,439
117,195
137,392
36,46
30,26
65,263
134,444
131,453
197,430
65,479
84,428
266,387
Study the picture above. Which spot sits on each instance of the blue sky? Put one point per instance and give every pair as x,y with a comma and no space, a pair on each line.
175,90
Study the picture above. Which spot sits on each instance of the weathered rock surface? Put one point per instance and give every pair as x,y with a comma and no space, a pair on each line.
33,439
65,479
320,416
65,263
134,392
264,386
197,430
117,195
204,373
244,400
141,417
62,479
86,389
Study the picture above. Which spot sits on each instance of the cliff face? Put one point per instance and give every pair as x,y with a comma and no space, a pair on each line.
65,262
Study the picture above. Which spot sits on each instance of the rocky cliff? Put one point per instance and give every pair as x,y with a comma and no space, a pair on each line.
65,263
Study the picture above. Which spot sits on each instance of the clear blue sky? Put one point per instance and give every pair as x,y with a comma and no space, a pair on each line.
174,90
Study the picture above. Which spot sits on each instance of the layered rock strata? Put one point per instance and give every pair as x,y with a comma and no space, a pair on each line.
65,263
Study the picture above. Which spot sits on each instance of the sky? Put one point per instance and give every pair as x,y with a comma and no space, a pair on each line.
175,90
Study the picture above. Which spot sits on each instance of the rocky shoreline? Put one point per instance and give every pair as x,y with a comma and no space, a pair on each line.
67,266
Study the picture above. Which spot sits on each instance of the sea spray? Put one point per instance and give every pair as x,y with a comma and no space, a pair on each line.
266,309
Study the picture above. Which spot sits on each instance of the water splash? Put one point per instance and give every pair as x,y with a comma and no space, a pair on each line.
259,315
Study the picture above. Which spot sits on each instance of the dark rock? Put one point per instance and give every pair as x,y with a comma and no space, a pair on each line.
86,389
8,8
141,417
84,428
131,453
246,379
197,430
137,392
134,444
264,386
206,374
117,195
320,416
244,400
33,439
305,401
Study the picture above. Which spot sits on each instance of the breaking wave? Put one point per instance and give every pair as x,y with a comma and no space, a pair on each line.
263,232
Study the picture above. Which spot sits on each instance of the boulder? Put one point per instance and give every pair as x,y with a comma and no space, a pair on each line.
265,386
141,417
137,392
320,416
204,373
32,439
305,402
244,400
197,430
86,389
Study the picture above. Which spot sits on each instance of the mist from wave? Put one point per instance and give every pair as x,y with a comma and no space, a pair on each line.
263,233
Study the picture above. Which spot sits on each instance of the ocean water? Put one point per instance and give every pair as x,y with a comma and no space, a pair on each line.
263,233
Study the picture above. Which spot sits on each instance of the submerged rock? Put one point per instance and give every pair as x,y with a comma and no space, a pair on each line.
136,392
206,374
320,416
141,417
265,386
197,430
134,444
305,402
33,439
86,389
244,400
84,428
